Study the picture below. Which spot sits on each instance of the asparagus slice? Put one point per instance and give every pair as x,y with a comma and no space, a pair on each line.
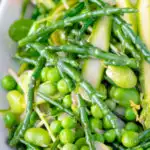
30,97
144,31
130,18
100,38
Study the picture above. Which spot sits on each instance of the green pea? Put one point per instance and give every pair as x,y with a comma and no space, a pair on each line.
102,89
106,123
84,148
67,101
122,76
95,124
111,104
53,75
79,132
81,142
124,96
110,135
19,29
130,114
69,147
48,88
8,83
99,138
67,136
44,73
9,119
16,102
56,126
96,112
62,87
130,139
37,136
68,122
132,126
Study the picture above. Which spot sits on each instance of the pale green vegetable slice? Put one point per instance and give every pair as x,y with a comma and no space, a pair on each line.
144,31
93,69
130,17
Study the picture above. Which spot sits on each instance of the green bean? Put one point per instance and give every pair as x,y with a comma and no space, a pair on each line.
72,72
75,10
55,103
85,26
119,147
127,31
142,145
25,59
87,5
29,145
111,59
24,125
66,79
55,144
71,61
134,38
116,50
68,21
144,135
85,123
105,110
24,7
11,134
125,41
79,43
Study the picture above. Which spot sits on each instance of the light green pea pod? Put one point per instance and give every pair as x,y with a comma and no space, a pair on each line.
37,136
122,76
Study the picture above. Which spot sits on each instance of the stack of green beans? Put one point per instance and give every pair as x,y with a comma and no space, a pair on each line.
51,104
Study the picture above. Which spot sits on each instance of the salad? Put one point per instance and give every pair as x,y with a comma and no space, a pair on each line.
84,76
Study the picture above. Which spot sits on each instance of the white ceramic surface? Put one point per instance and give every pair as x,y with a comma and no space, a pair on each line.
9,11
